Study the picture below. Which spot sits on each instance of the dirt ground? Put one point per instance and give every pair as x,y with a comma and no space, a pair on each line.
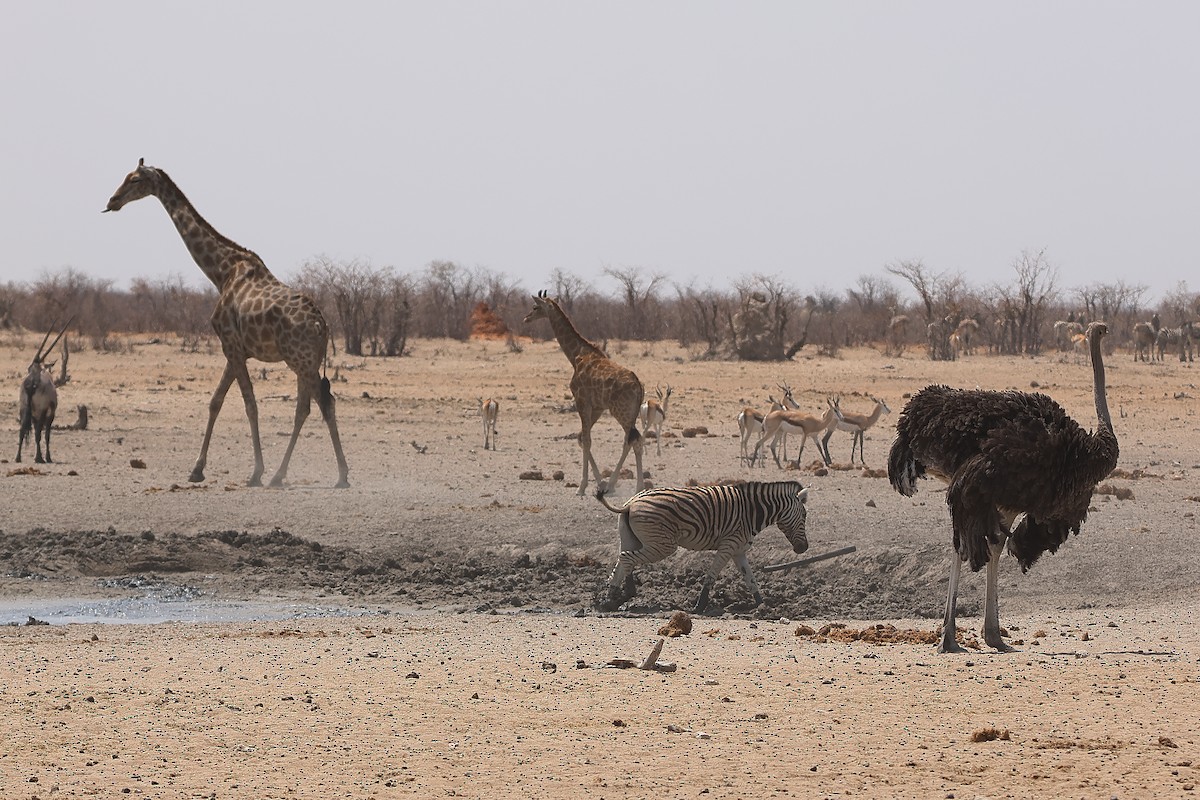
462,655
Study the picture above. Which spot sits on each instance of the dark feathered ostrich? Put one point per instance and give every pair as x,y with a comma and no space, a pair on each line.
1003,454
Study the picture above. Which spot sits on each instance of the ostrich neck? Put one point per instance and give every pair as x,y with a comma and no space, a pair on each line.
1102,414
1108,450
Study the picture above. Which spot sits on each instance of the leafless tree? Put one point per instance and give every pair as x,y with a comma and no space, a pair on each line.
702,316
639,291
938,293
870,309
1118,304
566,287
448,293
760,326
1032,293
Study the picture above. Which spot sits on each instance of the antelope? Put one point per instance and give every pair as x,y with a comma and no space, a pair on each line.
654,413
778,423
490,410
750,422
1079,343
39,398
856,424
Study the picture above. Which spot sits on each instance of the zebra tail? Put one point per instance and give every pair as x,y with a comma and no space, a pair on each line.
604,501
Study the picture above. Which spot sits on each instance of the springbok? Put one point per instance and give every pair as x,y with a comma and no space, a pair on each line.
778,423
1079,343
39,398
750,423
654,413
490,411
857,424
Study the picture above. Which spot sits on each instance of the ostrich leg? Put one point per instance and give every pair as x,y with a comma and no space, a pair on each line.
949,635
991,600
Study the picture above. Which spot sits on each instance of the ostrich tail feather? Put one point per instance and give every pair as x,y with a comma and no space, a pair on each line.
904,468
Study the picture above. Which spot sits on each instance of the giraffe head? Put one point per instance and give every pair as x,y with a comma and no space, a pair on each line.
137,184
542,304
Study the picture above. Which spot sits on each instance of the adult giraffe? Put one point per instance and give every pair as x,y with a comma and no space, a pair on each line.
256,316
598,385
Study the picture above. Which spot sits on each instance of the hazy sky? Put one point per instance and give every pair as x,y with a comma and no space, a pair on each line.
817,142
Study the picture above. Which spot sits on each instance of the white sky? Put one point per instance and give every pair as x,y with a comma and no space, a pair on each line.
817,142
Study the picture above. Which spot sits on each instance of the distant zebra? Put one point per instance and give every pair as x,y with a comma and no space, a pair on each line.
722,518
1177,339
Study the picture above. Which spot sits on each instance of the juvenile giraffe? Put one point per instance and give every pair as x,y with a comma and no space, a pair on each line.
598,385
256,316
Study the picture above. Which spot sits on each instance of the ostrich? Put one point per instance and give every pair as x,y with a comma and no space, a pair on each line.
1003,454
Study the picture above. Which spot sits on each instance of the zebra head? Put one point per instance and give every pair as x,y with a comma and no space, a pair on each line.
792,519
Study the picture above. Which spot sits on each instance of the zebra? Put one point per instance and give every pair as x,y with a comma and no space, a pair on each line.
722,518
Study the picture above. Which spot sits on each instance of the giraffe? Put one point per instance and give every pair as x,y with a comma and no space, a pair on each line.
256,316
599,384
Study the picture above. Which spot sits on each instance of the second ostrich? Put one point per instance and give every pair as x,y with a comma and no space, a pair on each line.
1003,454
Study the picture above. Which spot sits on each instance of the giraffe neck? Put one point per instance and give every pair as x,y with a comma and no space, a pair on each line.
570,340
213,253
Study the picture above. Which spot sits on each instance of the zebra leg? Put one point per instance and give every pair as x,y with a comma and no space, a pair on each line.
621,585
620,588
718,563
743,564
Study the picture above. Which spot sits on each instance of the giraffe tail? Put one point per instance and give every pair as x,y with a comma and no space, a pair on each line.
325,398
633,435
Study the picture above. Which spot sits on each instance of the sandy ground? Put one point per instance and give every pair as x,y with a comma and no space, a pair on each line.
464,657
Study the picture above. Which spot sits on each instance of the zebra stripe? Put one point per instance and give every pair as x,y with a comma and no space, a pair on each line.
653,523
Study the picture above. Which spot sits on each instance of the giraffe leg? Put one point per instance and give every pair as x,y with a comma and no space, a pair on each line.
585,442
214,408
303,406
327,405
639,449
616,473
247,389
949,634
